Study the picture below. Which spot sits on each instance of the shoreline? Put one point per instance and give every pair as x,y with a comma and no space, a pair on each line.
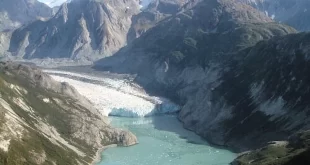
97,157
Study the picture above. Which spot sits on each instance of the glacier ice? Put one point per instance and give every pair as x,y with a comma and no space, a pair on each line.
116,97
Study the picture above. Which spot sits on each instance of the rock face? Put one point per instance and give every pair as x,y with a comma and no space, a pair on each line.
15,13
156,11
292,12
82,29
262,93
197,57
4,43
46,122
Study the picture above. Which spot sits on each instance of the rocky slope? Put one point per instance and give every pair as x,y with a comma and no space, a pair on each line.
190,58
46,122
15,13
156,11
295,151
82,29
292,12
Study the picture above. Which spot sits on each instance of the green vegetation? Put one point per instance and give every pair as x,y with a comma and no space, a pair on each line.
295,152
20,151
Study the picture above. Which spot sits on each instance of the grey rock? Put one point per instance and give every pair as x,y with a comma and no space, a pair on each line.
155,12
292,12
52,115
80,30
15,13
4,43
186,58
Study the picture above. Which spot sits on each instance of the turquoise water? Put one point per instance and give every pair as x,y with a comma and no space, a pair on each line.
163,141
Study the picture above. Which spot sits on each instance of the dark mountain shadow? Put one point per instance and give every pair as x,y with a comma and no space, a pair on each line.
171,123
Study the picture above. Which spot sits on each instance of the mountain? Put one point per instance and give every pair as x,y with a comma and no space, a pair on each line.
84,30
189,58
292,12
15,13
154,12
47,122
263,92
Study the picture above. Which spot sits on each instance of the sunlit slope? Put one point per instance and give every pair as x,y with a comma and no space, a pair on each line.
46,122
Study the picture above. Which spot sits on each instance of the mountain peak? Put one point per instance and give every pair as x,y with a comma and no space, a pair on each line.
292,12
14,13
81,29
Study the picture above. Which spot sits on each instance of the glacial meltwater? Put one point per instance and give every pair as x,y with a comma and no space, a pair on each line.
163,141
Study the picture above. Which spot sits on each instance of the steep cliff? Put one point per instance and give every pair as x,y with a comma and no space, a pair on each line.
15,13
187,58
46,122
81,29
261,95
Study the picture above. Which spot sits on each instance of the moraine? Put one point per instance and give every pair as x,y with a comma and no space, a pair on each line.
162,139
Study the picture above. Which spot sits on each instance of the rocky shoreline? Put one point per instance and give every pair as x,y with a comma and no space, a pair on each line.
43,112
98,155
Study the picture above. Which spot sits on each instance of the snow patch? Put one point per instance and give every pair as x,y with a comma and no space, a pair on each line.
4,144
46,100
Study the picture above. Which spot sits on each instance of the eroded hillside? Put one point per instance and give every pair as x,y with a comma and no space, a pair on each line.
47,122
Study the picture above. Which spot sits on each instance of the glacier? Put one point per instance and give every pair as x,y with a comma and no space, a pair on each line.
115,96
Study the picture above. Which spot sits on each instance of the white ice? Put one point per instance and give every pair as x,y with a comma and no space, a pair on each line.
116,97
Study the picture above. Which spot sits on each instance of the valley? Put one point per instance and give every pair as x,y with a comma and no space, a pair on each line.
152,119
170,82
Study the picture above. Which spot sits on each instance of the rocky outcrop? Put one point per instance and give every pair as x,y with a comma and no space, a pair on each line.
292,152
81,30
15,13
44,121
292,12
192,56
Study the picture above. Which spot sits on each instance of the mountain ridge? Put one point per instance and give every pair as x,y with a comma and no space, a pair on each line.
93,23
291,12
15,13
185,58
47,122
